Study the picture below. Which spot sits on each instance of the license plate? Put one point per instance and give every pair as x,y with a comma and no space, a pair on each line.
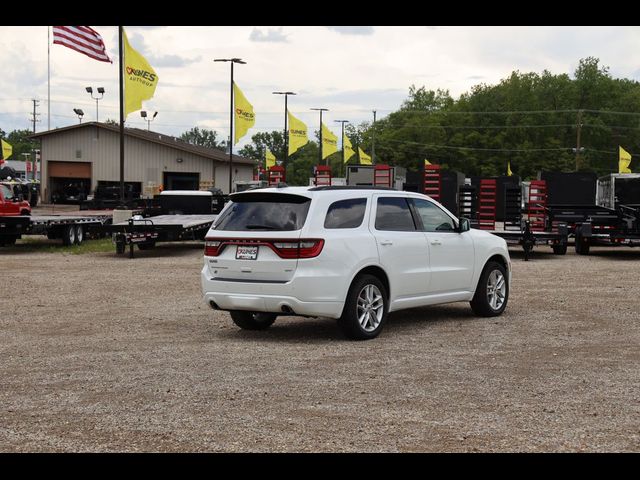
246,253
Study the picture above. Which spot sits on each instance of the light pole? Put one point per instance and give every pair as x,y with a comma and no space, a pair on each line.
232,60
285,156
143,114
79,113
342,139
373,139
320,110
101,92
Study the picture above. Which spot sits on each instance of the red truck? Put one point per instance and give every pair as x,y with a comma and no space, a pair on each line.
10,204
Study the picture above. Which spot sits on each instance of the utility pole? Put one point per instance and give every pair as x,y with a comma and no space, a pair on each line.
35,114
373,139
34,119
578,132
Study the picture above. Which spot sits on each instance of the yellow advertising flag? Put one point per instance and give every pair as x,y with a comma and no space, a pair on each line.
624,161
270,158
509,172
245,118
426,162
7,150
364,158
140,79
297,133
348,148
329,142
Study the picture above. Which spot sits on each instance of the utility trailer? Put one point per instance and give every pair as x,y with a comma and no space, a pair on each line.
72,229
146,232
177,215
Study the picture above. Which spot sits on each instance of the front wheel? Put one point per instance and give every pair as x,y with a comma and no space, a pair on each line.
252,320
560,249
492,292
365,310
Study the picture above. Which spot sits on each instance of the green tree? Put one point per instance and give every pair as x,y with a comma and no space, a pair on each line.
203,138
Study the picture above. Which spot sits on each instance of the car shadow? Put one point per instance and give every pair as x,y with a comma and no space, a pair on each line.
536,254
319,330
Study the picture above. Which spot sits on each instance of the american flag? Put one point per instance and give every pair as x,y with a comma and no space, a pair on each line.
82,39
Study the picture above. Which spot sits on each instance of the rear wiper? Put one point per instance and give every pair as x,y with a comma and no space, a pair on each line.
260,227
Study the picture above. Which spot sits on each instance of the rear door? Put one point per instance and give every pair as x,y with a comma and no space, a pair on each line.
402,247
256,238
7,205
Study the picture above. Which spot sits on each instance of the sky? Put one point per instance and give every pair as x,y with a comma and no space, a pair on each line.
350,70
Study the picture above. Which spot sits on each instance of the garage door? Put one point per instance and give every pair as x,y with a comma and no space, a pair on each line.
70,169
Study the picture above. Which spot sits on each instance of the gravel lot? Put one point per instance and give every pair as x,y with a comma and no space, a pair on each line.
112,354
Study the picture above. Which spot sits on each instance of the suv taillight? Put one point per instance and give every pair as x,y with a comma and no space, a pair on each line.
284,248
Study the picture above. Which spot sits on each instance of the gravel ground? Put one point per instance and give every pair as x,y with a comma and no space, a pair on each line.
112,354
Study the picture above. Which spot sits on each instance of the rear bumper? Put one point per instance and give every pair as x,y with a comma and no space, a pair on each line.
271,297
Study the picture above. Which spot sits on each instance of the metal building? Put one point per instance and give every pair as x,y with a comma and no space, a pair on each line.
88,153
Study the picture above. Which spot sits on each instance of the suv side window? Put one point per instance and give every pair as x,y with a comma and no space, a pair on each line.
346,213
393,214
434,219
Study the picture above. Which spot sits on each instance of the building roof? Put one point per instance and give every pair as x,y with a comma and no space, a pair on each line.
160,138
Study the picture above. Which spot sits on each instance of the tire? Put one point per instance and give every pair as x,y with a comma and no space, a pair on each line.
79,234
25,213
582,245
252,320
560,249
490,300
69,235
8,241
120,246
367,302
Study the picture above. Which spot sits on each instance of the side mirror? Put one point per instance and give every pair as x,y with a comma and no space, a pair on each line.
463,225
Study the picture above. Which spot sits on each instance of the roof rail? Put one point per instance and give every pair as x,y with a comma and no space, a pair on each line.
349,187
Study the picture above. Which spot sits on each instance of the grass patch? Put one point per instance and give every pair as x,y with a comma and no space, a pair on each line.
42,244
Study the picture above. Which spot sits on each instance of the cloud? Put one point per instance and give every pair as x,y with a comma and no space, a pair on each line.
361,30
137,41
272,35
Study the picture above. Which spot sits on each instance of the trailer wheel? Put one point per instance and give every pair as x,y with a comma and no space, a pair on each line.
79,234
582,245
8,240
69,235
120,246
146,246
560,249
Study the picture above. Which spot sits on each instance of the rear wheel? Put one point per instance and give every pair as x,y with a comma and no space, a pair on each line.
560,249
582,245
492,292
252,320
79,234
69,235
365,310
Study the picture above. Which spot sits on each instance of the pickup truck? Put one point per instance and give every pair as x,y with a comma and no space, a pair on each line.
11,204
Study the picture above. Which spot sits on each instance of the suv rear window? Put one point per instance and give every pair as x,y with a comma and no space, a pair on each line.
346,213
264,211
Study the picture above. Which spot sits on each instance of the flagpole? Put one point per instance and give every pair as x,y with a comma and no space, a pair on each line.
120,74
48,79
231,134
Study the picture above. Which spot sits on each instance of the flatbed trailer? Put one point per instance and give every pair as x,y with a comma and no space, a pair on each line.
528,238
72,229
595,225
146,232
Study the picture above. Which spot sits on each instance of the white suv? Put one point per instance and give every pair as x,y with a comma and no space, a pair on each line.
350,253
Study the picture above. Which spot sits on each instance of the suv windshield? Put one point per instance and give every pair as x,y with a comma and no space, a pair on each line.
264,211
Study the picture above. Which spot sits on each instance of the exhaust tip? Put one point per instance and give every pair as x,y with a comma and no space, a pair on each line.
213,305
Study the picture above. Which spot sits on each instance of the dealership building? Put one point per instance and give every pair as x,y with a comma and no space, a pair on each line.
88,154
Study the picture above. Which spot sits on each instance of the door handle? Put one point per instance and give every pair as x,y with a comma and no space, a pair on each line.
436,242
386,242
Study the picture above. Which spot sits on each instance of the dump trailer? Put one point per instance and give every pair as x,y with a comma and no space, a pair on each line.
613,221
178,215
